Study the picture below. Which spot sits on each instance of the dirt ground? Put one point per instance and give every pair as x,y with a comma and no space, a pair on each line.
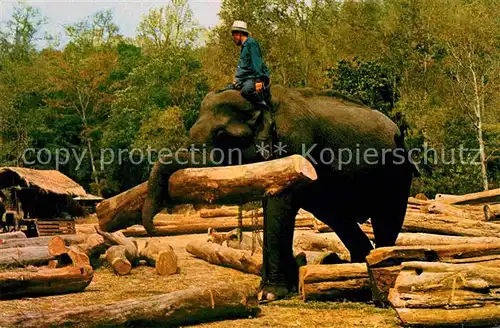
107,287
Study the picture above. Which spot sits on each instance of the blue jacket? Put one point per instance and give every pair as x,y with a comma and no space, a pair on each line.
251,65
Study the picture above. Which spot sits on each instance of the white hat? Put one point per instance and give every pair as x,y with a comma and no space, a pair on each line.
239,26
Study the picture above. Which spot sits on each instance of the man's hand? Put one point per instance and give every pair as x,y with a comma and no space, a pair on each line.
259,86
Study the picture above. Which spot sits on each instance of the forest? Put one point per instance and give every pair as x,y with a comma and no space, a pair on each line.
433,66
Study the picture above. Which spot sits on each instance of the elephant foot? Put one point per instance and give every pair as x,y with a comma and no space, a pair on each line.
270,292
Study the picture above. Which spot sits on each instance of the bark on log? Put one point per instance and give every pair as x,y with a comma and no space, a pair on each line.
92,245
118,238
334,282
21,242
322,257
491,212
448,225
225,256
179,308
161,256
12,235
464,211
242,183
415,201
23,256
317,243
447,294
117,257
231,211
42,282
195,225
225,185
384,264
482,197
122,210
419,239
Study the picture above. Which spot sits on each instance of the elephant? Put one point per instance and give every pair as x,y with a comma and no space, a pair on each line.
324,127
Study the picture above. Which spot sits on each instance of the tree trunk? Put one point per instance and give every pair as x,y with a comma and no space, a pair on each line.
23,256
25,242
317,243
122,210
447,294
384,264
179,308
118,238
195,225
240,184
43,282
233,185
482,197
225,256
465,212
12,235
81,249
418,239
334,282
117,257
161,256
448,225
227,211
492,212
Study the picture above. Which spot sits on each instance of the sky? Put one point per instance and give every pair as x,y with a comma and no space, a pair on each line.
127,14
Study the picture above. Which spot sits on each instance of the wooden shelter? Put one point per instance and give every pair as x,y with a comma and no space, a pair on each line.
42,194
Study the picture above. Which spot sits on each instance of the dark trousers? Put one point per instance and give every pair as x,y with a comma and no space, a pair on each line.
247,89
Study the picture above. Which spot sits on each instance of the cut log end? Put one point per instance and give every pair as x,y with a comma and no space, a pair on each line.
166,264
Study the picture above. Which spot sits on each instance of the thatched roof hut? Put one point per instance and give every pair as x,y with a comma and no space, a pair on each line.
42,193
45,181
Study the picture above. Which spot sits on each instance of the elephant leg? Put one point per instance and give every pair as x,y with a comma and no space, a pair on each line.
389,216
280,271
348,230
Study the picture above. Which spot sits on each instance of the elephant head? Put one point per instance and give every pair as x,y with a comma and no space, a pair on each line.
226,121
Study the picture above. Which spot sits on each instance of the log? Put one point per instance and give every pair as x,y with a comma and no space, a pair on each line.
195,225
93,245
23,256
216,254
12,235
491,212
482,197
231,211
416,201
418,239
117,257
25,242
448,225
44,282
384,264
316,243
334,282
465,212
322,257
119,239
122,210
161,256
440,294
240,184
183,307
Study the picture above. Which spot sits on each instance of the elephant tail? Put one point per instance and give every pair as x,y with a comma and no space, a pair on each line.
400,144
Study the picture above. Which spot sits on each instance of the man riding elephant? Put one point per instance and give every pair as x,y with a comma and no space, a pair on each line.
358,153
252,79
